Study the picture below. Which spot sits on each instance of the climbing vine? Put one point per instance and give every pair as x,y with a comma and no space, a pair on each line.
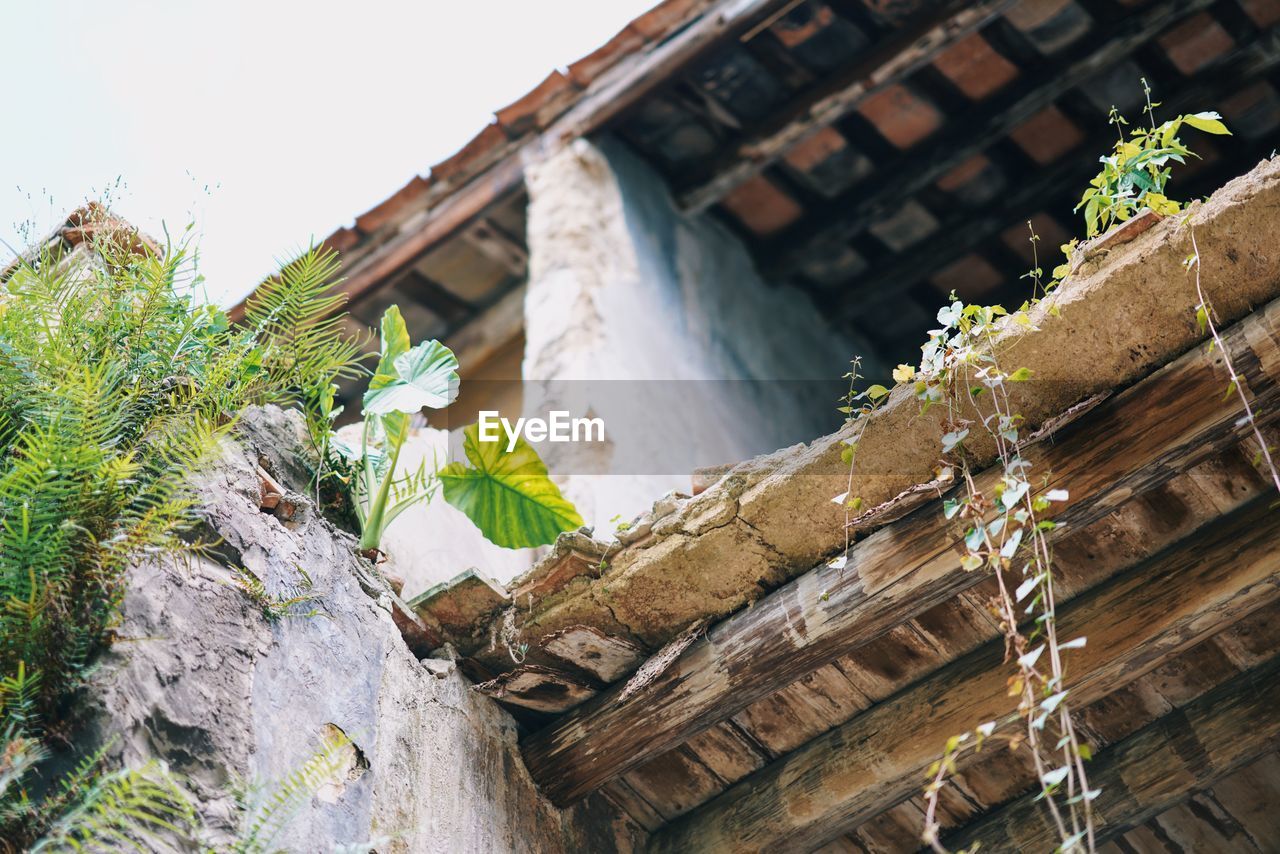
1005,519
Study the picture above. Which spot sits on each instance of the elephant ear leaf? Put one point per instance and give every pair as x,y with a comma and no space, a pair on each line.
395,342
508,495
426,375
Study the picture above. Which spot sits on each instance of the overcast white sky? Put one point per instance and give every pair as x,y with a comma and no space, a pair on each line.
266,122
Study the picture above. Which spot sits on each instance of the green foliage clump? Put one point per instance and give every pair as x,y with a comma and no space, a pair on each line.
1134,175
116,382
507,494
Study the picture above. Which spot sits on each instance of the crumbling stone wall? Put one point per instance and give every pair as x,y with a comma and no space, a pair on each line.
203,682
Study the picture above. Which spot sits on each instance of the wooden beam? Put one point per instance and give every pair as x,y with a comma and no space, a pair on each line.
502,248
891,60
453,213
1162,426
490,330
433,295
913,171
1156,768
878,759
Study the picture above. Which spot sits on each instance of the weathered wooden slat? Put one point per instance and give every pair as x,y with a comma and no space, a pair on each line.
912,171
878,759
893,59
1164,425
1157,767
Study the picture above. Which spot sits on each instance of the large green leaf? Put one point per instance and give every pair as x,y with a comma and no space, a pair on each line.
395,342
508,495
406,381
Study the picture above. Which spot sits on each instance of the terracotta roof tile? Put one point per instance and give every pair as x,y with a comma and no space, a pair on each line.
970,277
816,149
481,145
964,173
665,17
606,56
522,116
1047,135
760,206
1195,43
394,207
975,68
342,240
901,117
1264,12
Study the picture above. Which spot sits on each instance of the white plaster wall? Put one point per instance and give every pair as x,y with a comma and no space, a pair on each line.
622,287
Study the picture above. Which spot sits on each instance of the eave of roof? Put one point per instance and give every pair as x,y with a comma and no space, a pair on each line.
545,115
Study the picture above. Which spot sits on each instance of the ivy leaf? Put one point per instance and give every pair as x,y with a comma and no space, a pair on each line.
876,392
1056,776
1020,376
1025,588
1209,122
955,437
1029,659
508,495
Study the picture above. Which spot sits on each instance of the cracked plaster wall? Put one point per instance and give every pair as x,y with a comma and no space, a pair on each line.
717,364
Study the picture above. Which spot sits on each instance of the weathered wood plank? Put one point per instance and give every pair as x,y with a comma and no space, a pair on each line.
1139,439
1156,768
891,60
1134,623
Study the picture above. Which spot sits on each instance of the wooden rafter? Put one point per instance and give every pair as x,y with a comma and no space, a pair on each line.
1133,623
899,572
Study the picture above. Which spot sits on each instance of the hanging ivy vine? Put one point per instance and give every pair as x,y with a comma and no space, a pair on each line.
1005,528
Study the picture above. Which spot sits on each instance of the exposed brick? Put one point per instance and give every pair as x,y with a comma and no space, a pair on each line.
1047,135
970,277
792,32
975,68
1252,112
761,207
902,117
1264,12
909,225
964,173
974,182
816,149
1047,250
1195,43
1050,25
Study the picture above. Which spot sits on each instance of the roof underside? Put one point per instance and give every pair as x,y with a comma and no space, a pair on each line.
807,719
879,154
